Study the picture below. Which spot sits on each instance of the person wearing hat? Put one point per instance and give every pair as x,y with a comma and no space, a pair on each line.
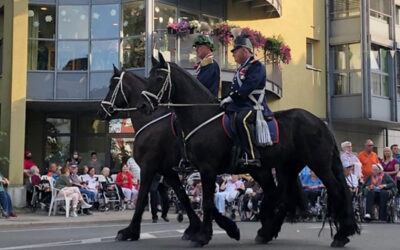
378,187
207,71
351,179
77,182
248,85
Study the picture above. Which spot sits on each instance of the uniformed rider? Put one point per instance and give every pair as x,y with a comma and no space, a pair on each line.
248,84
207,70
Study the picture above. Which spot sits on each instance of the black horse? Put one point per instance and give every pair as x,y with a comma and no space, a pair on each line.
304,140
156,150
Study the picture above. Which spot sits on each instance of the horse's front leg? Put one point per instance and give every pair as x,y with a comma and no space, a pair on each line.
194,221
205,234
132,232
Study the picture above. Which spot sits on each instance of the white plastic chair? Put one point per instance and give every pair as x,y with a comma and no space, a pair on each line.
55,199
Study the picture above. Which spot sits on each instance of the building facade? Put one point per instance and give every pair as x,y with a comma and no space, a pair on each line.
57,63
363,66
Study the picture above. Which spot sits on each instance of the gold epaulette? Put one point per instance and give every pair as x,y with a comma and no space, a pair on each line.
206,61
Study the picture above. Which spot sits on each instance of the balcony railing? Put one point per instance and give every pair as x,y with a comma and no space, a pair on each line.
272,7
180,51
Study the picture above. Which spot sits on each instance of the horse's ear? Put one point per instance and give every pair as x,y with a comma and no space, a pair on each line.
154,61
162,60
116,70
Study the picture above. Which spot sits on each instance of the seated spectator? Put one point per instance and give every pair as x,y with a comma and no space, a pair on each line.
68,190
5,199
52,171
77,182
125,181
378,187
351,179
230,189
58,172
252,197
110,184
389,164
196,191
312,187
35,176
92,182
350,157
305,173
85,170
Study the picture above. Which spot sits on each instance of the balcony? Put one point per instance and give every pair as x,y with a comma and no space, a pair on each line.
257,8
181,52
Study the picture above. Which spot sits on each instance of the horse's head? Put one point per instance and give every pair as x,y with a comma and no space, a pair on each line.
159,86
116,98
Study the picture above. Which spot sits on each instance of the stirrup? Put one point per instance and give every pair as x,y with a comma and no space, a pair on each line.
245,161
184,166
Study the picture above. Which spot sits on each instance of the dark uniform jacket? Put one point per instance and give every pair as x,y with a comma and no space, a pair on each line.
208,73
252,76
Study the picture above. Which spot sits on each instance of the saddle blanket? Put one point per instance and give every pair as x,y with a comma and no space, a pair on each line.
272,125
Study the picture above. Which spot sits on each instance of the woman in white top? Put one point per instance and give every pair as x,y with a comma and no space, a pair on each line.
92,182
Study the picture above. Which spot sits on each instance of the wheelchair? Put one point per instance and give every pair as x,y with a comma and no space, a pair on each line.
246,204
392,208
191,181
235,205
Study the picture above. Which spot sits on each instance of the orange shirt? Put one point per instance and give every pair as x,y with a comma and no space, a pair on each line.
367,161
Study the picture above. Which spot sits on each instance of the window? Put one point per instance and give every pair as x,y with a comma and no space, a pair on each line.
132,30
381,9
58,140
72,55
379,59
41,32
310,53
104,54
397,15
347,78
344,8
165,43
73,22
105,21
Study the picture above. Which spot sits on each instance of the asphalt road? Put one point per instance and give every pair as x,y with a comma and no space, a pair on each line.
167,236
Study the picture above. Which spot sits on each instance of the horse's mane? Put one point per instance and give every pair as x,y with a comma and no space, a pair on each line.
199,86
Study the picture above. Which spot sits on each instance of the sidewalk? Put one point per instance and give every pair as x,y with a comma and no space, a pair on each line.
40,218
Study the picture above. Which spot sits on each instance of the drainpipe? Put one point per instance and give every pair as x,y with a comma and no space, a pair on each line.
149,35
327,66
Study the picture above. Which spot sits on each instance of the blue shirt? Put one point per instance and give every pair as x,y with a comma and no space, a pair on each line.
305,173
308,181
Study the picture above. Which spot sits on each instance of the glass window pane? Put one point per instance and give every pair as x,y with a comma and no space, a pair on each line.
40,85
71,86
91,125
340,57
355,57
121,150
355,83
166,44
132,52
57,149
133,18
41,55
211,20
384,60
385,87
88,144
58,126
73,22
376,84
188,15
162,15
105,21
121,126
42,19
309,53
99,83
72,55
375,62
340,83
104,55
188,55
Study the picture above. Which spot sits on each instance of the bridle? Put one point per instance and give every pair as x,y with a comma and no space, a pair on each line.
111,108
167,88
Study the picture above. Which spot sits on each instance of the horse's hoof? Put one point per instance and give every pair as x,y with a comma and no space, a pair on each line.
196,244
340,243
185,236
261,240
120,237
235,235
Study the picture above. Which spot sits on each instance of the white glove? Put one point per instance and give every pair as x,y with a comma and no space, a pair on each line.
226,100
